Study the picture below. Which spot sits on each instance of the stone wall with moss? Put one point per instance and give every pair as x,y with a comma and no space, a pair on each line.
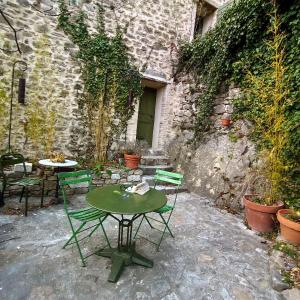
45,122
221,165
51,118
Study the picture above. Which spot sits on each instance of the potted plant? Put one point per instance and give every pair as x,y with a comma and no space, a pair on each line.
270,89
289,219
132,155
225,120
261,207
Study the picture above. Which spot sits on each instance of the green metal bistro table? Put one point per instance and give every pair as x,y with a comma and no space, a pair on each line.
114,200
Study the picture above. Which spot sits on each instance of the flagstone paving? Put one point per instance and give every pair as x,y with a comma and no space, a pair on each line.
213,256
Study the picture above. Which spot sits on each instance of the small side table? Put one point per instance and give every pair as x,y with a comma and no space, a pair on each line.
57,166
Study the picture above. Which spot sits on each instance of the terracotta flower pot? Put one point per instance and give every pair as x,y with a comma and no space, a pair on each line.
132,161
289,229
225,122
261,218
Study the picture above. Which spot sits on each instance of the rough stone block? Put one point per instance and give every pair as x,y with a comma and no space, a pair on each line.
105,176
110,181
220,109
134,178
138,172
115,176
291,294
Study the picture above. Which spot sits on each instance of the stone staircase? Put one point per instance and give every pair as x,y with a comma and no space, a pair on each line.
150,163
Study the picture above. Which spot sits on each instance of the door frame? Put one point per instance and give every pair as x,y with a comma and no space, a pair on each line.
160,84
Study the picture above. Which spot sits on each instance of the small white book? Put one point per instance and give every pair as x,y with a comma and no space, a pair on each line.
141,188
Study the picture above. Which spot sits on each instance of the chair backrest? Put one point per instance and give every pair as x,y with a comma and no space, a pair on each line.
170,177
10,159
73,178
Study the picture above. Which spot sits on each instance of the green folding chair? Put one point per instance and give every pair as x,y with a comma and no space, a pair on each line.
83,215
166,211
7,161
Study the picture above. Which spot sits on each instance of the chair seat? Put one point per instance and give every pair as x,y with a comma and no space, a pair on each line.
164,209
26,181
87,214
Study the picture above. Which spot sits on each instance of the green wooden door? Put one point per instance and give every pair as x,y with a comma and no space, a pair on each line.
146,116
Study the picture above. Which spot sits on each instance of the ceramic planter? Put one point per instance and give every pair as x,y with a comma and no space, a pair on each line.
289,229
132,161
261,218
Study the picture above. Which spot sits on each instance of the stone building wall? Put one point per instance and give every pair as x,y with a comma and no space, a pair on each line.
221,165
154,29
109,176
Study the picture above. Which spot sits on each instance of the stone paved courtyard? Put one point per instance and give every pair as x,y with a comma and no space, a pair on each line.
213,256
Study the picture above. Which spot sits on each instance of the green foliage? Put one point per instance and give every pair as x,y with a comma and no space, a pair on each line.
211,57
233,137
289,250
111,83
98,168
257,104
235,51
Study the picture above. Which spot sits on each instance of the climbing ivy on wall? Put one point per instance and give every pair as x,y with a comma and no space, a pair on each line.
210,58
111,83
236,51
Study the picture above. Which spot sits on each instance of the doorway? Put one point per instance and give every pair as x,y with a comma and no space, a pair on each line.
146,115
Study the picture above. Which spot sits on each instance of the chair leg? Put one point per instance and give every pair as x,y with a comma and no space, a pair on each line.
167,224
22,193
26,200
104,232
96,227
148,222
76,241
139,227
73,235
162,236
2,203
1,199
43,188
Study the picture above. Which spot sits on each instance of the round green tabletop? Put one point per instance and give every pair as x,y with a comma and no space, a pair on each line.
113,199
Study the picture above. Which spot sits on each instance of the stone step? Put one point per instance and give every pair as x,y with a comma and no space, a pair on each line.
150,170
154,152
150,180
169,190
154,160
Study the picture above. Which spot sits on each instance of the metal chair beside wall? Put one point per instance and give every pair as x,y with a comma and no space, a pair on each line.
166,211
9,160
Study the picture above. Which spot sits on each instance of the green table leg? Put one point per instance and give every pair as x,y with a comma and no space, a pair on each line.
141,260
117,267
121,258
